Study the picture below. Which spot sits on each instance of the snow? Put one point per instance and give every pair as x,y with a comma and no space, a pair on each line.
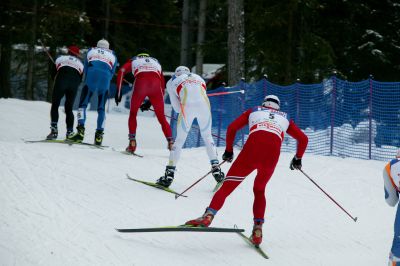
60,204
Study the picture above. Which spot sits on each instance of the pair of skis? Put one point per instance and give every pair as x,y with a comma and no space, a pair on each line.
79,143
188,228
155,185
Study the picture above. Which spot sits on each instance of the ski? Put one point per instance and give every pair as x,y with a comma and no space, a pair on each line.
181,228
65,142
155,186
133,154
257,248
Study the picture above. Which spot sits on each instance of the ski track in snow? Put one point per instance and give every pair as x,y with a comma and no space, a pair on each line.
60,204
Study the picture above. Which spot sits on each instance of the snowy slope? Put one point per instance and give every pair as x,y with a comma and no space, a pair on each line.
59,205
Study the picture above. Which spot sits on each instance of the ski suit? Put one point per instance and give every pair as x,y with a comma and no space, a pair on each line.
100,65
261,151
391,181
68,77
188,98
149,82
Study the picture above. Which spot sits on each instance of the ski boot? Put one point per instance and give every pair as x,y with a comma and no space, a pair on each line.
79,135
53,133
131,147
256,235
69,134
98,137
203,221
217,173
168,177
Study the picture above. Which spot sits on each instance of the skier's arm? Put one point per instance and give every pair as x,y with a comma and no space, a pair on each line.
126,68
173,97
115,64
233,127
391,194
302,139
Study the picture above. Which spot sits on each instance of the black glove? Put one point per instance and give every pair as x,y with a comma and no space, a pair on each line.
145,106
117,98
295,163
227,156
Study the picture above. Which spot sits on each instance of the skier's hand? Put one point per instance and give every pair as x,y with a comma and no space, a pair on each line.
295,163
117,98
145,106
227,156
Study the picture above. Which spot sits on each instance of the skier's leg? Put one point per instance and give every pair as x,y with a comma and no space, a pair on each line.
395,250
260,182
101,114
58,93
204,120
69,103
136,100
157,100
86,94
181,135
240,168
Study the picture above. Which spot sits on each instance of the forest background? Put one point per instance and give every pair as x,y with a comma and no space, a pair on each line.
295,40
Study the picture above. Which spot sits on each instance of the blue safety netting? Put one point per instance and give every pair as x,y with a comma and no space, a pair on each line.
341,118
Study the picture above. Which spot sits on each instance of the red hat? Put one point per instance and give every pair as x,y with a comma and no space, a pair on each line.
73,50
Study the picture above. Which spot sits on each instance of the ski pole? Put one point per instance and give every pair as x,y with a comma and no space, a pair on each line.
201,178
47,52
353,218
224,93
170,117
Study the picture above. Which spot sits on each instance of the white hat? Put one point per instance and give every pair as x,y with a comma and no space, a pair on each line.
398,154
181,70
271,101
103,43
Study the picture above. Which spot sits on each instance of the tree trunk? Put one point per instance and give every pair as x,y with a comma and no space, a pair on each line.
185,33
236,41
107,20
289,52
29,92
5,65
200,37
5,56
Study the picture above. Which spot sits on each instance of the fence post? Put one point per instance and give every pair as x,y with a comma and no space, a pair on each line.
370,116
297,101
242,87
333,110
220,108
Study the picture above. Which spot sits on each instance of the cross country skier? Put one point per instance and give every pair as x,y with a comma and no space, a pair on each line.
68,72
267,126
391,181
187,92
100,65
149,82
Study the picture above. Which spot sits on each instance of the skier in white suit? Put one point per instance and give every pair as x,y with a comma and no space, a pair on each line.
391,181
187,92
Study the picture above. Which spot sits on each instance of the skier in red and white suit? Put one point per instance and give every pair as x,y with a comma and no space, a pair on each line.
149,82
261,152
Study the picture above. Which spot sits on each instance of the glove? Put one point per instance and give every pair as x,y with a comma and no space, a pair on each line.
227,156
295,163
145,106
117,98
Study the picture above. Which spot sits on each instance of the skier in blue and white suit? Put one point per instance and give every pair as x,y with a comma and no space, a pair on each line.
391,181
100,65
